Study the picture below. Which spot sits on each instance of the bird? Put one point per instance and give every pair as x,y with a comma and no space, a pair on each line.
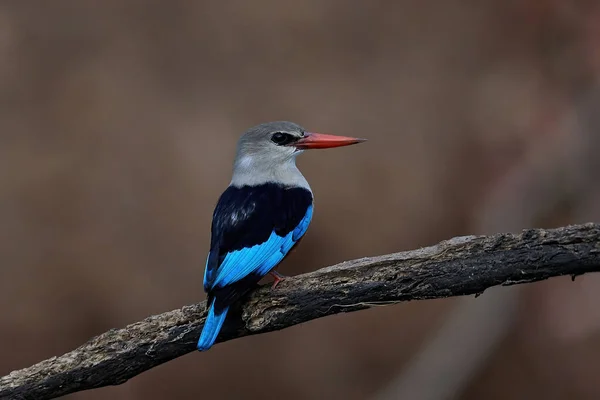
260,217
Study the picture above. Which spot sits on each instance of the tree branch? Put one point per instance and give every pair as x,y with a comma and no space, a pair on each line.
460,266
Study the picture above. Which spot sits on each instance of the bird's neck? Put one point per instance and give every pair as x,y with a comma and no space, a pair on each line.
248,171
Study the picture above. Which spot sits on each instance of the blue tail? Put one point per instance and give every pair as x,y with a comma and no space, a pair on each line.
212,326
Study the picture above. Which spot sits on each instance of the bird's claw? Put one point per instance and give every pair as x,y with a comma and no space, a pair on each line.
277,278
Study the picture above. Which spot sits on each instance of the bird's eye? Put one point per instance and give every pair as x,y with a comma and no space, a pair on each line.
282,139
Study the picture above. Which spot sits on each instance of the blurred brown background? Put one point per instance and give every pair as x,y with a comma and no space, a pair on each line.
118,123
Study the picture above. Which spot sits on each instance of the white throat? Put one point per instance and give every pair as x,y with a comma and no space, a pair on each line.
252,171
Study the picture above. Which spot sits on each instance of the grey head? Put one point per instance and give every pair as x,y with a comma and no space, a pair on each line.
265,153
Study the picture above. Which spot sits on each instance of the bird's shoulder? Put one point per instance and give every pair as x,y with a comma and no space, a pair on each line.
270,203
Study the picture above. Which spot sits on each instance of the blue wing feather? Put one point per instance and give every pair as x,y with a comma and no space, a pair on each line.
241,263
303,225
208,273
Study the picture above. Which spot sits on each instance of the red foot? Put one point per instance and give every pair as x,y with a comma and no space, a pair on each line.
277,278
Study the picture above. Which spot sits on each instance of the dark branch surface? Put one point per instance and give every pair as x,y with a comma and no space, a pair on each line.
460,266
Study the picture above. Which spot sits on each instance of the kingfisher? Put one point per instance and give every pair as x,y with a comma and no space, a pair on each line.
260,217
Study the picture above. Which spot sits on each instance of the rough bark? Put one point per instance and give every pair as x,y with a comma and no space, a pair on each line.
456,267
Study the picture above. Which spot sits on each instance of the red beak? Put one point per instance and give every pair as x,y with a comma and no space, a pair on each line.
313,140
